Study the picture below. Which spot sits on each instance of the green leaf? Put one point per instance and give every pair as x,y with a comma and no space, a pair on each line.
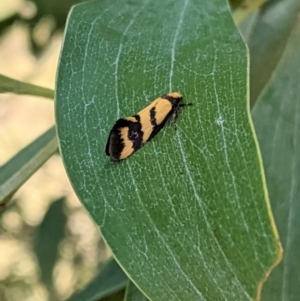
187,216
10,85
276,116
20,168
267,39
111,279
133,293
47,238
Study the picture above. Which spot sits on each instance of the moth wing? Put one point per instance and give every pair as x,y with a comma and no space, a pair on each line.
117,145
127,144
163,110
147,120
154,117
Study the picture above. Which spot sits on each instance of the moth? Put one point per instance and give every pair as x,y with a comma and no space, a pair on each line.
129,134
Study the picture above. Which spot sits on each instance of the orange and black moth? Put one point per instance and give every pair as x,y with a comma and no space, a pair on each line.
129,134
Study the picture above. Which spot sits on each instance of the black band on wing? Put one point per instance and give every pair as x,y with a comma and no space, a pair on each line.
115,143
135,134
152,116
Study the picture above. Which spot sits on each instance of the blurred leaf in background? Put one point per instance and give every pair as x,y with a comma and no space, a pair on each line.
267,38
109,281
48,235
276,116
25,163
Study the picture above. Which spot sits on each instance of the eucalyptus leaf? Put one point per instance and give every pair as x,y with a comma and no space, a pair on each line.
10,85
48,235
20,168
267,39
110,280
276,116
187,216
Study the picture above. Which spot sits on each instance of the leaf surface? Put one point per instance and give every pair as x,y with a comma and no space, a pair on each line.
186,216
